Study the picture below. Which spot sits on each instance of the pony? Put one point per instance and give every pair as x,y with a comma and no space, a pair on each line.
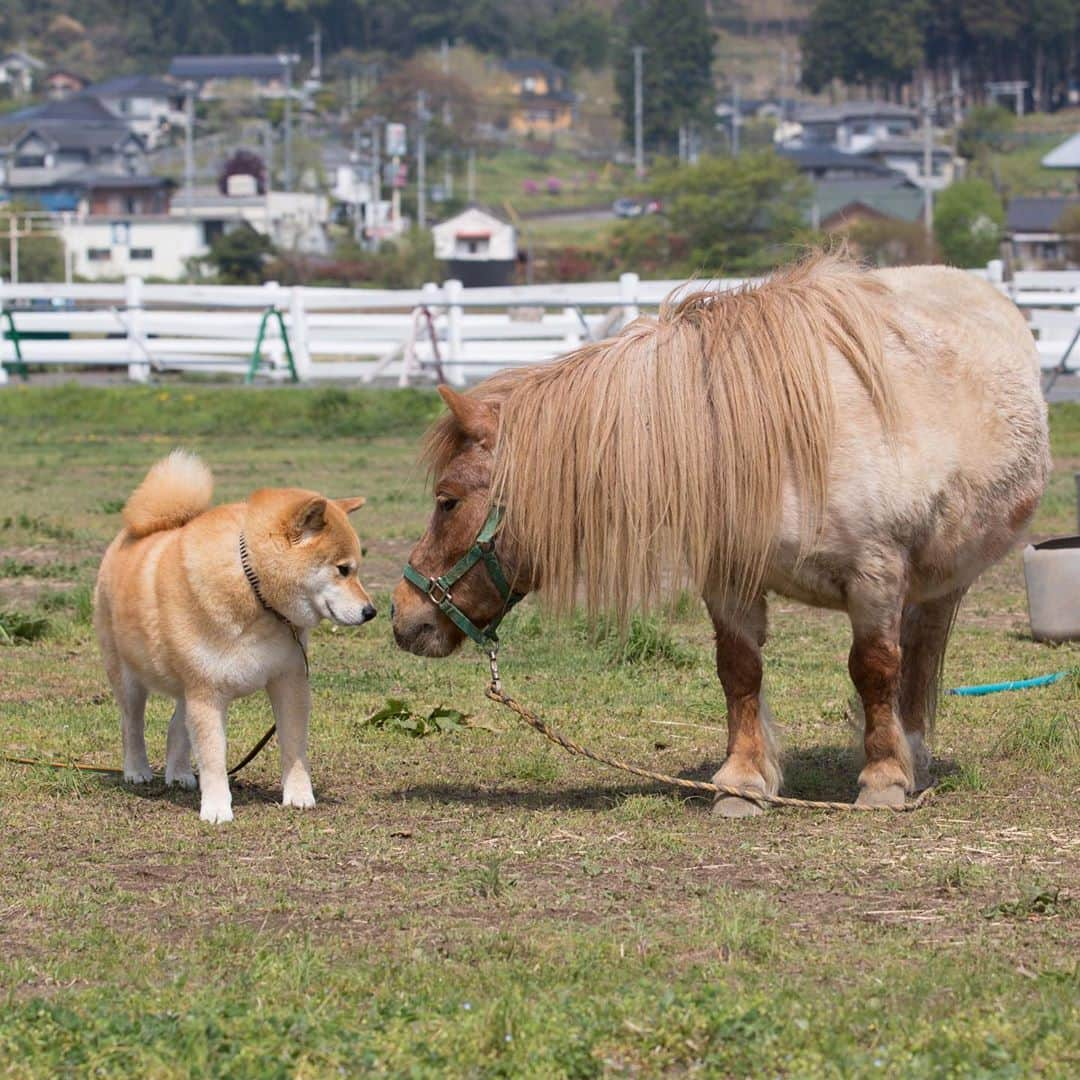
861,440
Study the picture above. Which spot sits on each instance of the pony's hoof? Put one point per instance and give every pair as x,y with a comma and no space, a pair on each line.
731,806
893,795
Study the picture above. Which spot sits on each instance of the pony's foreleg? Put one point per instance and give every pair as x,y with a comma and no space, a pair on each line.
752,760
875,667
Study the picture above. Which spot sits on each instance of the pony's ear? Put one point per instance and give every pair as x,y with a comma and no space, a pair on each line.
306,518
477,418
349,505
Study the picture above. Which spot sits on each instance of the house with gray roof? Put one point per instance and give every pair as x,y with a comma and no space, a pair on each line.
854,125
226,74
149,106
1033,230
53,155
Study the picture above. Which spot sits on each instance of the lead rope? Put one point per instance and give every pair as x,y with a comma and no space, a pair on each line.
495,692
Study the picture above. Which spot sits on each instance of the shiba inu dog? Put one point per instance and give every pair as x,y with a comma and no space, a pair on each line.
210,604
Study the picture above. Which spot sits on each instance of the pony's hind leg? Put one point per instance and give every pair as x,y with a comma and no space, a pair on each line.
875,667
752,761
924,634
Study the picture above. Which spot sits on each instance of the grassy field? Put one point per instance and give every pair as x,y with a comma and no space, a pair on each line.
475,903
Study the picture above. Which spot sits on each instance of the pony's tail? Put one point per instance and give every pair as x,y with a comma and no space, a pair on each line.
177,489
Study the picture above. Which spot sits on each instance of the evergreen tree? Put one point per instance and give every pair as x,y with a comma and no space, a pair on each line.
676,70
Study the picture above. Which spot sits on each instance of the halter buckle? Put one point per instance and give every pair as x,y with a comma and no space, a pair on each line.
438,594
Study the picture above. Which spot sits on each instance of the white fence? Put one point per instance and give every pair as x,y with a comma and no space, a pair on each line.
445,332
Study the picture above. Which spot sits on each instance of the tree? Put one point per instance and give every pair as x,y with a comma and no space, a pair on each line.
967,223
986,127
676,70
735,213
243,163
237,257
862,42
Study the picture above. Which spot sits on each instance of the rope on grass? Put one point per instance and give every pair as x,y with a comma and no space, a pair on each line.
110,770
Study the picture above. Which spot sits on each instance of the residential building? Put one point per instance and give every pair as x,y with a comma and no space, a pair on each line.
820,162
1033,231
19,71
854,125
477,246
112,248
1065,155
263,75
51,154
147,105
542,101
905,154
294,220
838,204
61,85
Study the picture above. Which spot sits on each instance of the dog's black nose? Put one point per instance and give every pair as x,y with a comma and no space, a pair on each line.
368,612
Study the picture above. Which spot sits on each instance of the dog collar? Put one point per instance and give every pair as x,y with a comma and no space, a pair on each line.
253,581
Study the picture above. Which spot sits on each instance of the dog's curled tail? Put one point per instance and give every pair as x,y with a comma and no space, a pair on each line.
177,489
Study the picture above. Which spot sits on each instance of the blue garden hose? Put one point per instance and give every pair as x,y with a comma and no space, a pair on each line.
1017,684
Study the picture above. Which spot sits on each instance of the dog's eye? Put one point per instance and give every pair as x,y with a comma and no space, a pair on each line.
446,503
344,569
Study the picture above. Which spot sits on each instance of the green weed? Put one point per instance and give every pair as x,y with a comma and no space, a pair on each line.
19,628
396,716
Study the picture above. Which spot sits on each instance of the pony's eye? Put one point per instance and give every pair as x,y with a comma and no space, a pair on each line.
446,503
344,569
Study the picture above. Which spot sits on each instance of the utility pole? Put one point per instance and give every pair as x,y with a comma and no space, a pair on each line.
734,119
316,43
928,155
639,111
421,162
189,145
376,173
470,177
13,248
268,154
288,59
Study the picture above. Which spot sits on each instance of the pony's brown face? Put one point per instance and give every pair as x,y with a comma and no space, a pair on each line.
462,496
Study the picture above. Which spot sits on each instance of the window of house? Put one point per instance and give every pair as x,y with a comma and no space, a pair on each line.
861,128
30,161
98,254
142,253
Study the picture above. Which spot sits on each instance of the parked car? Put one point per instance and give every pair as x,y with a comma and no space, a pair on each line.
626,208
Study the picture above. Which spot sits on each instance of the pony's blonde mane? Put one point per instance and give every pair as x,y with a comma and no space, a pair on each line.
657,458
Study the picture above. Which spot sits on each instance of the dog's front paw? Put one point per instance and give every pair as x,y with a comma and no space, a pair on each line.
301,797
138,774
215,811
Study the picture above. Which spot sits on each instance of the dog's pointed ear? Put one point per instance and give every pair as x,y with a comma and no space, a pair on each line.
307,518
349,505
477,419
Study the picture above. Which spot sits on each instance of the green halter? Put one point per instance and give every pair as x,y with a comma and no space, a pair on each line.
437,590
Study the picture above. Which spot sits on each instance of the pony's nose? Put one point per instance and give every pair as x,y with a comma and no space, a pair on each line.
368,613
391,610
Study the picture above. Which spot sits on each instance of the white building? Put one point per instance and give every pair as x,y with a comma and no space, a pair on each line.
294,220
854,125
159,246
18,73
478,247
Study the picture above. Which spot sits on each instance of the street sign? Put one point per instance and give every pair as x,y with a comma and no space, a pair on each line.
396,143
